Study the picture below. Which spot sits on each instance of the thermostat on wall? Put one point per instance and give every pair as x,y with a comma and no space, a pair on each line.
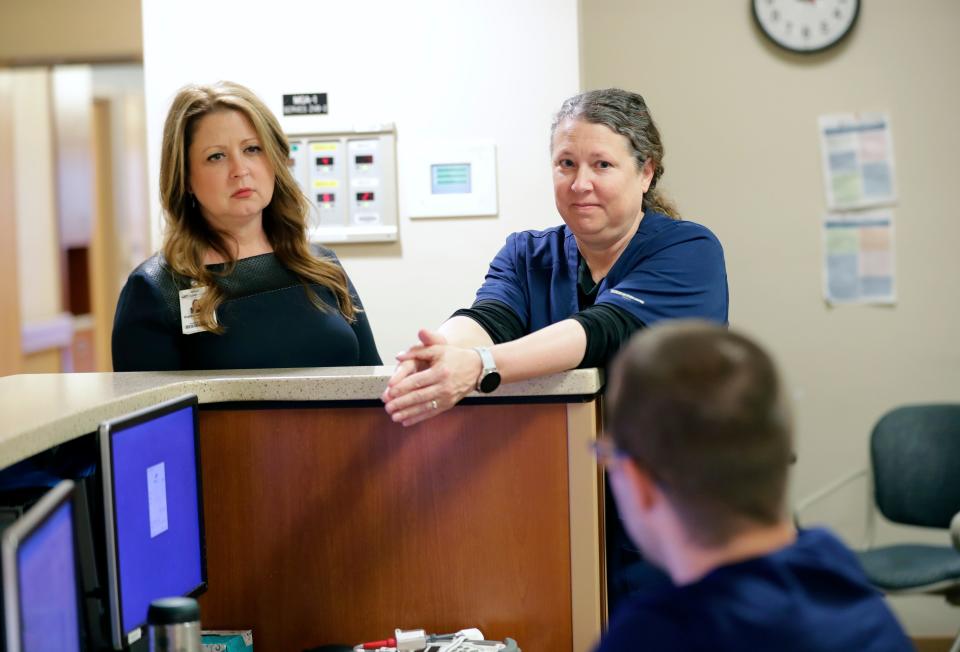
452,180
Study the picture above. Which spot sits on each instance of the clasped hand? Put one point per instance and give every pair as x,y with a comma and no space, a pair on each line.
431,377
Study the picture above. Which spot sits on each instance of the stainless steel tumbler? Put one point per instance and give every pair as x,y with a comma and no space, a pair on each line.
174,625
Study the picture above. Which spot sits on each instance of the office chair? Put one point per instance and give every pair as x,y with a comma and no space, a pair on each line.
915,460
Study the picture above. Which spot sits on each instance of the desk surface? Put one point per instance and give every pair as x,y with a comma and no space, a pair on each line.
39,411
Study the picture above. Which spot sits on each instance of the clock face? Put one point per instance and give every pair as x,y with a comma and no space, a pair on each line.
806,25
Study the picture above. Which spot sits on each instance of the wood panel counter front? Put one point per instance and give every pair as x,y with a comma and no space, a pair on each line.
326,522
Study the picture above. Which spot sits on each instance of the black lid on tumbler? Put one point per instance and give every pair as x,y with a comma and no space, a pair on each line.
171,611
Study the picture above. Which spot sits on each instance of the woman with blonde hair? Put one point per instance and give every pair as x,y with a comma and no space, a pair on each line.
237,285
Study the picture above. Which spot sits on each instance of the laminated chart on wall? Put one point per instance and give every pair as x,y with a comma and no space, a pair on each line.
858,160
859,257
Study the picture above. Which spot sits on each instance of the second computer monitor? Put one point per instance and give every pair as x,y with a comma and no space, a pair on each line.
41,598
153,511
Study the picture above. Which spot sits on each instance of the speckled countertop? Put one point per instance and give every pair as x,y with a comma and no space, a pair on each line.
38,411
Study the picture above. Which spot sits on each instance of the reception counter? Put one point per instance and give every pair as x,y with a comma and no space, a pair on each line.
326,522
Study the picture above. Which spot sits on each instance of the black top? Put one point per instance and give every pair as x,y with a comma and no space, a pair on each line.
268,319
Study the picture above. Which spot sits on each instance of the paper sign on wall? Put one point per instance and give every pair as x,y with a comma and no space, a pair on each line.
859,257
858,163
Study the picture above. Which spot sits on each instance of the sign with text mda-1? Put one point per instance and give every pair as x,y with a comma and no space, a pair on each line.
304,103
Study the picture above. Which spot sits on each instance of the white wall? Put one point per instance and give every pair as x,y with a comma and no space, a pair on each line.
739,122
492,69
72,123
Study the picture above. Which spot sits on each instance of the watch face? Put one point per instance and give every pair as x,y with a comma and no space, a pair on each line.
806,25
490,382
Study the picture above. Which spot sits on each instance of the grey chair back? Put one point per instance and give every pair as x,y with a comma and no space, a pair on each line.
915,452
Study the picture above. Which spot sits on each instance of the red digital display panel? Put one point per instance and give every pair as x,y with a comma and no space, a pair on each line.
363,159
325,197
325,160
364,196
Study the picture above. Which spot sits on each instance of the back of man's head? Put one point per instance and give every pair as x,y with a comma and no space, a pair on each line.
700,409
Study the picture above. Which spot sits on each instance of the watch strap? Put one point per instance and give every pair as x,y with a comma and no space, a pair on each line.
489,365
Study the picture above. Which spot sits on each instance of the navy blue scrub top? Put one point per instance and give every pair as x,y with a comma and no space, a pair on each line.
671,269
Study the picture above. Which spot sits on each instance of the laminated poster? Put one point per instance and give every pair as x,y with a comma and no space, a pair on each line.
857,160
858,257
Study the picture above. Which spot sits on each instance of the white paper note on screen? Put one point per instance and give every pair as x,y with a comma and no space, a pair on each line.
157,498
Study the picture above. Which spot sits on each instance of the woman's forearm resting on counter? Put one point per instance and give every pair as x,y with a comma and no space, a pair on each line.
435,375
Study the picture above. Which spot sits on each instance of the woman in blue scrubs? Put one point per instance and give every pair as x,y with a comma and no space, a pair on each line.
571,295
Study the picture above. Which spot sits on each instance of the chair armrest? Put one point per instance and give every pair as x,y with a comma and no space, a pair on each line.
955,530
819,495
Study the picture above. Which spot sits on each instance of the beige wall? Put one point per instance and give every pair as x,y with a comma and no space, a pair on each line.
739,121
54,31
38,254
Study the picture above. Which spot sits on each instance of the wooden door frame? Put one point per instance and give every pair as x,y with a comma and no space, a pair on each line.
10,353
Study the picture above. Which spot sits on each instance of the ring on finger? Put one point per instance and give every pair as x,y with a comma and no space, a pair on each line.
433,404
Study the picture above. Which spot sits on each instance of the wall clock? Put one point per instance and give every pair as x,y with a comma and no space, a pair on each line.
806,26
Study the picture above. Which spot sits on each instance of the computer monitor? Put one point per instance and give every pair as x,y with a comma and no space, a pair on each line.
41,593
153,512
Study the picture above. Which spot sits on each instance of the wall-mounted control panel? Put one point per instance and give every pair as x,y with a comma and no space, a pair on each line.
451,179
350,178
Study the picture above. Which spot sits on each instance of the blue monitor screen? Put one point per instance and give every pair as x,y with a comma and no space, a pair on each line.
47,585
157,514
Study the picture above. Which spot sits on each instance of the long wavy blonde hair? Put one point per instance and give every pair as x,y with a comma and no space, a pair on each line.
188,235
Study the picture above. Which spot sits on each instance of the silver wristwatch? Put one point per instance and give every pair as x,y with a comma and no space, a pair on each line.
489,378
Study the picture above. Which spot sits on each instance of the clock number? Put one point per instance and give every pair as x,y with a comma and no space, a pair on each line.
805,26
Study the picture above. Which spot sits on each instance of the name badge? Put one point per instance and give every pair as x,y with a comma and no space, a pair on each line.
190,311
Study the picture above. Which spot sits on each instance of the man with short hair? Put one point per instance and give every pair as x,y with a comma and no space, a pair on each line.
700,442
